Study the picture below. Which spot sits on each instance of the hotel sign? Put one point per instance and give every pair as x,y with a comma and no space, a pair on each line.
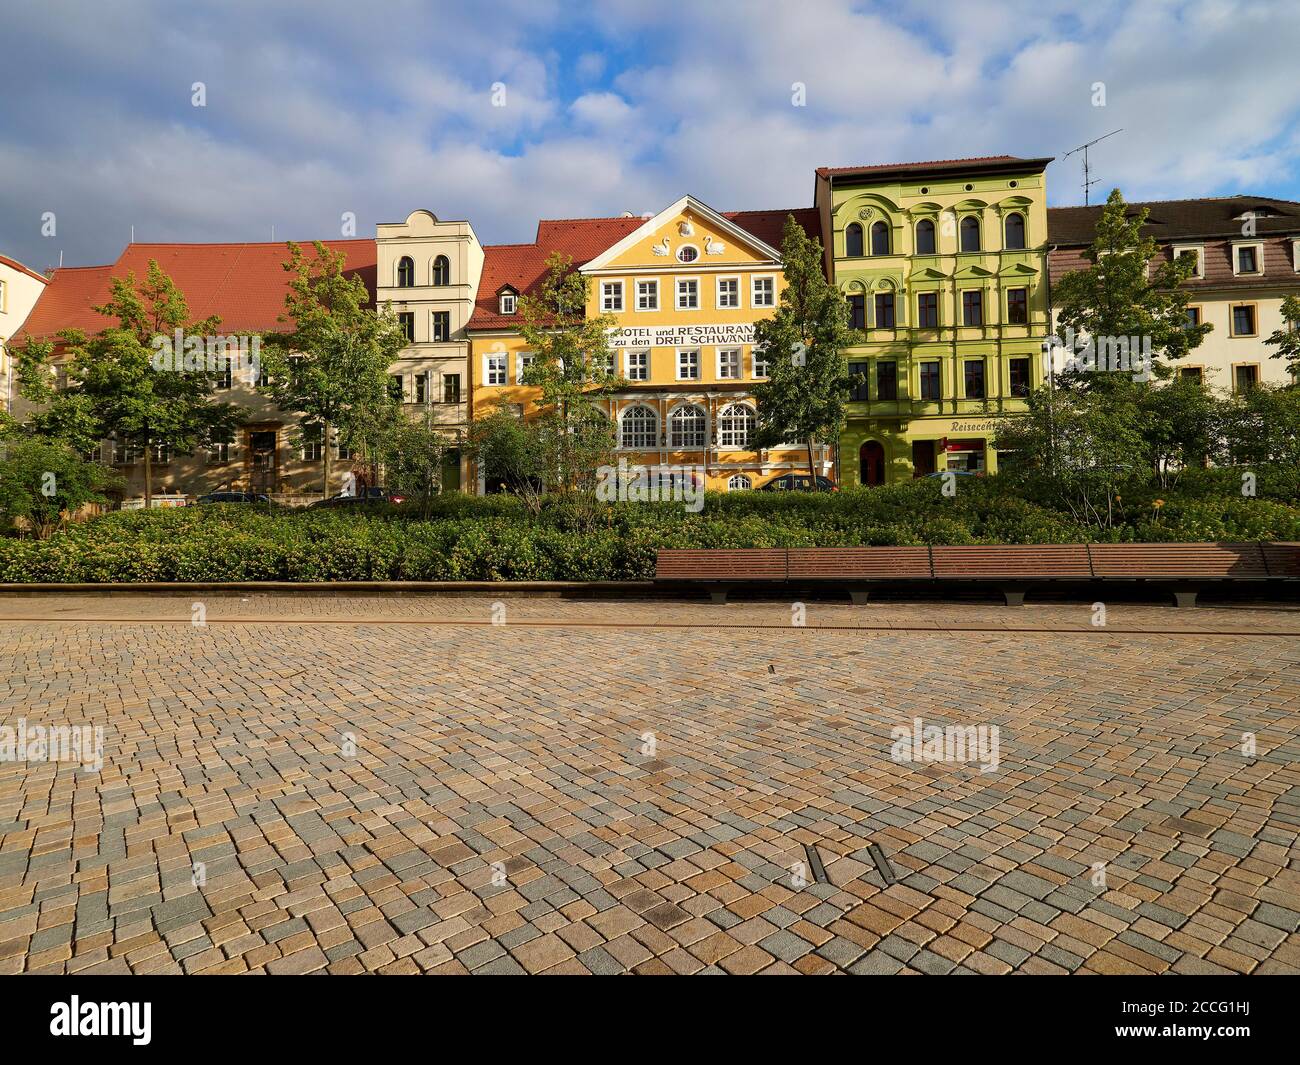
682,336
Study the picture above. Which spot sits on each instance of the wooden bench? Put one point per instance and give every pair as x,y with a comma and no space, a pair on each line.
858,567
1182,569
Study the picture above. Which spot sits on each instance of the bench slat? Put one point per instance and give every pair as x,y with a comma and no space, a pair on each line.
1210,561
1022,561
848,563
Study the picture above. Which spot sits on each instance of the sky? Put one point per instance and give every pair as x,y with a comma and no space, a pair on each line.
506,111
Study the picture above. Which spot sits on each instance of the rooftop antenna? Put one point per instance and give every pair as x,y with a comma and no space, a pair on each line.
1087,183
133,234
273,234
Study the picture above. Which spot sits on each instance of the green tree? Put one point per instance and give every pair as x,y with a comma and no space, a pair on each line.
1262,427
43,482
412,454
573,367
1181,424
806,392
331,365
1121,294
506,448
1287,339
118,387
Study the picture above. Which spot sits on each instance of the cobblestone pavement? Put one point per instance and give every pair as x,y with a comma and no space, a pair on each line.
648,787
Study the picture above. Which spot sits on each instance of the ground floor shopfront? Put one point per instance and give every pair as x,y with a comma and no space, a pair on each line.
876,451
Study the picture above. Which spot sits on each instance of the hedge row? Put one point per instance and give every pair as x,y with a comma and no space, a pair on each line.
498,539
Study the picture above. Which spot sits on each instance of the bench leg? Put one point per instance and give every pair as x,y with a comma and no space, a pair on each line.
718,595
1014,596
859,596
1184,597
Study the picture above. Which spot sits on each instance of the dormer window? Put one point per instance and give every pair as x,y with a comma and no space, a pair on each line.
1196,255
1247,259
509,302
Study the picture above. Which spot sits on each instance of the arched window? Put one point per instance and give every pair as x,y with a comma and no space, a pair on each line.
687,427
640,428
405,272
1015,231
970,233
853,240
441,271
880,238
739,483
925,237
735,425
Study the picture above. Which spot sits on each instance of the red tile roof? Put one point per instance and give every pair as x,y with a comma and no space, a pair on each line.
14,264
244,284
522,266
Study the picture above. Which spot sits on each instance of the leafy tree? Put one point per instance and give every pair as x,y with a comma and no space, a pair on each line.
1181,424
43,482
117,388
1287,339
805,395
572,368
1262,427
412,455
508,450
331,366
1121,295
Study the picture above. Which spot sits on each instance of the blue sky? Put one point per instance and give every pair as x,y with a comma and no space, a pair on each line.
316,108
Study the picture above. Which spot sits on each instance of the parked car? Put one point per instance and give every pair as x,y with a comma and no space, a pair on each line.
955,473
798,482
365,497
232,497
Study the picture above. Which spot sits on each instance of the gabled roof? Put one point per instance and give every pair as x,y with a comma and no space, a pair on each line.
1173,220
985,164
706,213
244,284
14,264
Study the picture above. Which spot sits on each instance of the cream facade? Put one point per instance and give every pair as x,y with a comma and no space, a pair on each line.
20,288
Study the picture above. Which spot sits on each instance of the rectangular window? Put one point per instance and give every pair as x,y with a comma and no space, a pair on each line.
224,381
422,388
638,365
1195,255
1019,374
397,387
884,310
508,302
494,369
219,453
647,295
522,361
858,311
162,454
974,378
124,453
1244,378
859,390
1243,320
441,326
1191,373
729,364
406,320
1018,306
972,307
311,448
728,292
930,381
887,379
760,363
1193,316
688,294
451,388
1248,260
688,365
611,296
927,310
764,292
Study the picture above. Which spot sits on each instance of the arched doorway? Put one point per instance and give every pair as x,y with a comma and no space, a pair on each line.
871,463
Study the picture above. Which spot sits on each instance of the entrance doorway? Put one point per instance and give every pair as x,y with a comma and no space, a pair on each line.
871,464
264,461
922,458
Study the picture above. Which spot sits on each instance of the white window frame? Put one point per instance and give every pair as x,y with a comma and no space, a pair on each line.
738,366
695,409
523,360
694,259
734,280
754,283
508,297
1199,249
683,362
757,359
651,286
608,290
1258,245
732,486
494,365
725,437
677,290
653,424
644,368
219,453
1295,255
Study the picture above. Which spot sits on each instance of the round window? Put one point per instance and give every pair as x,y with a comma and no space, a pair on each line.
687,253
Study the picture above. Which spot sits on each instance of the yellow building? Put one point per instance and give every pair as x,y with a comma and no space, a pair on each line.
685,287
